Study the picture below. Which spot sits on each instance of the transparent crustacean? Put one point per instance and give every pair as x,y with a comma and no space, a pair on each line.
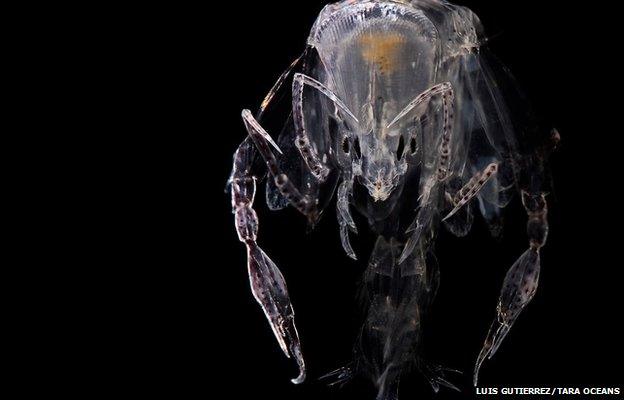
399,113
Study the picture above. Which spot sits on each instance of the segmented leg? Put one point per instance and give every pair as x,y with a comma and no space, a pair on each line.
267,283
345,220
259,136
422,98
521,279
448,102
425,211
471,189
303,143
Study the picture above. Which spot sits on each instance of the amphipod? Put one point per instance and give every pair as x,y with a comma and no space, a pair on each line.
399,114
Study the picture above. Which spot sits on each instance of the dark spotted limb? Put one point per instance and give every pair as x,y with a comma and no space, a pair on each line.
521,280
267,283
304,145
472,188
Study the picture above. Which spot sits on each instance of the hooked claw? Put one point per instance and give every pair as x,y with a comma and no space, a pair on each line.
269,289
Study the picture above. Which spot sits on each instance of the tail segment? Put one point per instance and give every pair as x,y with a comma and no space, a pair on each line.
399,294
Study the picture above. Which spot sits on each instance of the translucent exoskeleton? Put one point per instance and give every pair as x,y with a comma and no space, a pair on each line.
399,113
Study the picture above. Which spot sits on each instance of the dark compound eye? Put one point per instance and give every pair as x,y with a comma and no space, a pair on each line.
413,146
401,148
356,147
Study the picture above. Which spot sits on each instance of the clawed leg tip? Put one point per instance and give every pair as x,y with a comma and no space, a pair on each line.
403,258
475,379
300,379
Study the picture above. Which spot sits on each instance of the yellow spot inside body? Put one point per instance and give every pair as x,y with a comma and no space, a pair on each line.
381,49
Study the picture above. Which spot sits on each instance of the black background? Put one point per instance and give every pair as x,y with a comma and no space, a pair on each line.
569,335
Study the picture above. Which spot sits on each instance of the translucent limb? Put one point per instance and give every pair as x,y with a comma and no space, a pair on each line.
436,375
280,82
344,191
346,243
343,214
425,212
448,101
339,377
388,389
253,125
275,201
423,218
521,279
303,204
472,188
303,142
422,98
267,283
300,80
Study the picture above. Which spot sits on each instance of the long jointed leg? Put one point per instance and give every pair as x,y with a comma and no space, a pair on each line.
345,220
471,189
425,212
262,140
521,279
267,283
303,142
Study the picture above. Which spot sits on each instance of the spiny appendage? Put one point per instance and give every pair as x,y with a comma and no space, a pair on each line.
472,188
304,145
267,283
448,103
424,217
260,137
268,99
340,376
521,279
421,99
420,224
437,376
343,214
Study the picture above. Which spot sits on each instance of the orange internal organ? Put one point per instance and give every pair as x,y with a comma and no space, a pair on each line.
381,49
